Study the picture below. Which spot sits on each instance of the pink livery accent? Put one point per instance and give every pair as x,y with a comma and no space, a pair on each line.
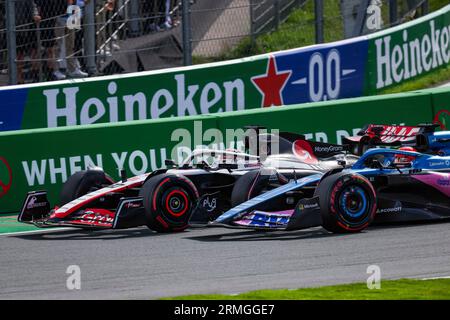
437,180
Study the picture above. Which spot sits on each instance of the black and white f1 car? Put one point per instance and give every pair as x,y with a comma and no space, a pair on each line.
195,192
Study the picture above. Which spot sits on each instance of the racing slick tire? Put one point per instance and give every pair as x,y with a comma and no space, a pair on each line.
347,202
250,185
81,183
169,201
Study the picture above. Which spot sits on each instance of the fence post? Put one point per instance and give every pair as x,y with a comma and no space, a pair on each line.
11,41
135,23
187,32
318,10
252,24
393,12
276,7
425,7
361,18
89,38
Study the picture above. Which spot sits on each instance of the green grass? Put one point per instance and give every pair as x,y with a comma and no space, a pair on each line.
404,289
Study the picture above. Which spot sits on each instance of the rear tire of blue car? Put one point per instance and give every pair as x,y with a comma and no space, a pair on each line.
347,202
81,183
168,202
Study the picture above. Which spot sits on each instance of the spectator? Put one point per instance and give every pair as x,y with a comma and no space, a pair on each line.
49,11
150,9
66,35
25,13
167,24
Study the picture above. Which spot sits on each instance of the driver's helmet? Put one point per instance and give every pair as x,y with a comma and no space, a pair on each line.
404,159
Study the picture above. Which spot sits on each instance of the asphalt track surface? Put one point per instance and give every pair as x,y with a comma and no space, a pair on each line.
141,264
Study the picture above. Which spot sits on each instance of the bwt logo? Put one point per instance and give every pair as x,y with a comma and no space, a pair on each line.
5,177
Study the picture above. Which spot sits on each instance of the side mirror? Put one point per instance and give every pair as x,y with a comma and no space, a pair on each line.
170,163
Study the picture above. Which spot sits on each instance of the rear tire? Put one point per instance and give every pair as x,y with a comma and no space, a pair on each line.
81,183
168,202
347,202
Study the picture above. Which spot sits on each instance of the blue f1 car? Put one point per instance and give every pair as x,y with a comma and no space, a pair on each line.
384,185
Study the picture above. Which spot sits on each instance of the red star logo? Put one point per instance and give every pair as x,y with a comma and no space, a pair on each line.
271,84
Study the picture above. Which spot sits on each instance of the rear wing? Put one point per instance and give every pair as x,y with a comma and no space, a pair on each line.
373,135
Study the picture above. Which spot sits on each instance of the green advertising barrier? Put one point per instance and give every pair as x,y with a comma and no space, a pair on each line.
441,106
408,51
42,159
330,121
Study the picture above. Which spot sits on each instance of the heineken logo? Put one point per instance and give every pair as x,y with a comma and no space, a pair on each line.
413,56
178,97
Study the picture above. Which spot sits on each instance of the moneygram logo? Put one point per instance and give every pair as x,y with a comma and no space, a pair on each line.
304,152
5,177
441,118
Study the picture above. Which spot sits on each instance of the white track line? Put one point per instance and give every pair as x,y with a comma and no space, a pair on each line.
435,278
19,233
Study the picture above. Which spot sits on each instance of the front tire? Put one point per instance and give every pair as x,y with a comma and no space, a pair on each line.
81,183
347,202
168,202
250,185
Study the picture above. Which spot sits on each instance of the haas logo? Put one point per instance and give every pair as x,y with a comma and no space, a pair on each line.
5,177
441,118
304,152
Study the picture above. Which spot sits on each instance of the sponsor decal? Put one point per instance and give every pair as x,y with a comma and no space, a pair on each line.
209,204
66,106
32,204
303,150
443,182
436,164
6,177
302,206
441,118
390,210
413,56
328,149
132,205
95,217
